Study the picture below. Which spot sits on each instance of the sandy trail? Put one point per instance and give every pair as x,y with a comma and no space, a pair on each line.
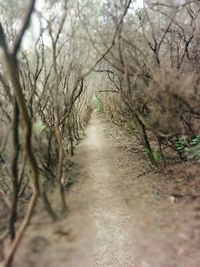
109,212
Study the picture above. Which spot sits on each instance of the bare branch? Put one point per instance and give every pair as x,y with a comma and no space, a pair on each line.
24,28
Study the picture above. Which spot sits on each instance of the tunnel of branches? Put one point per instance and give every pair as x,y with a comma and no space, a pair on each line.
61,61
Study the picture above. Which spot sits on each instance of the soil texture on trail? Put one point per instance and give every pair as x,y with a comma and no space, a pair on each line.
121,214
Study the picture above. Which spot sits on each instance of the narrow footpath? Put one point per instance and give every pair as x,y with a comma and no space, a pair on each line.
109,211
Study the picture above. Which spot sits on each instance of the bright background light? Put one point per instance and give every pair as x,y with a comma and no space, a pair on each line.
33,32
139,3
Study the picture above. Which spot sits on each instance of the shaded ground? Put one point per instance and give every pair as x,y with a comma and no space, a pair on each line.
121,214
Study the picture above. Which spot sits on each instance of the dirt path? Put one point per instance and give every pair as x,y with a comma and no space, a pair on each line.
117,218
110,214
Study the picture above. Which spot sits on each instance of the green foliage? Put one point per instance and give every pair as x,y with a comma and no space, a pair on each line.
195,140
191,149
97,104
180,145
156,154
129,126
194,151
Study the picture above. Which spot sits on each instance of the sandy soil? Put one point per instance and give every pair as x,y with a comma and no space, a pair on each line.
119,215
